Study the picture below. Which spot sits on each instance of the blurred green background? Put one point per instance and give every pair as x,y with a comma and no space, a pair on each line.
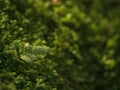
59,44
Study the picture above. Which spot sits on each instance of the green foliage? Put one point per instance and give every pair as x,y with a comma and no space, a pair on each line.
64,45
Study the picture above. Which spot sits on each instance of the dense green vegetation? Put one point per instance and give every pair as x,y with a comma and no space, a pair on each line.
59,45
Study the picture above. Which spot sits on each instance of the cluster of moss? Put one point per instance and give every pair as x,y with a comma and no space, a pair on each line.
59,45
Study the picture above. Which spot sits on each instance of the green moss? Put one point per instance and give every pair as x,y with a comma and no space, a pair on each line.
68,45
